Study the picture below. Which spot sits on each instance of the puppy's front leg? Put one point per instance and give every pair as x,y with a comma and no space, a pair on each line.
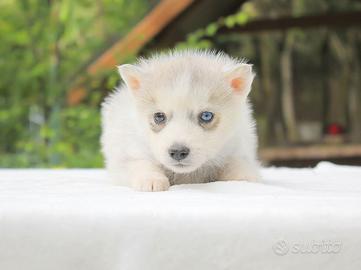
240,169
146,176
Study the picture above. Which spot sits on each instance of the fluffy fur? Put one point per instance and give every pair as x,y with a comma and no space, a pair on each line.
181,85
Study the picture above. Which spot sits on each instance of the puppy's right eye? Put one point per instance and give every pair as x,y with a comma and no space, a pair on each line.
159,118
206,117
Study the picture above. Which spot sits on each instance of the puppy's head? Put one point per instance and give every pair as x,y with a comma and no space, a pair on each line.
189,104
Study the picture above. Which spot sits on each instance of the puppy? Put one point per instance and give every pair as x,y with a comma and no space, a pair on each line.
180,117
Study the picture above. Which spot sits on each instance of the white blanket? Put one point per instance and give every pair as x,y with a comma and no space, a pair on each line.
76,220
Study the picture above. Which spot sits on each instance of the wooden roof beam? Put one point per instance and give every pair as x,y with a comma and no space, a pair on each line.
340,19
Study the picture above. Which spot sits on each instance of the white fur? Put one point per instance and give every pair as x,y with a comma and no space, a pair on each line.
180,84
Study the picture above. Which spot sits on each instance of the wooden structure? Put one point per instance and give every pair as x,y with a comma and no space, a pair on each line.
310,155
343,19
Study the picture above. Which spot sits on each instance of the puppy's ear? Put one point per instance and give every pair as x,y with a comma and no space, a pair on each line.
240,79
131,75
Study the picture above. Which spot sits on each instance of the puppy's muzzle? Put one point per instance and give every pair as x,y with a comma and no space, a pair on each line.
178,152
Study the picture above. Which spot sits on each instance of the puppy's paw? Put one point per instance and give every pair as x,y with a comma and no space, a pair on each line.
149,184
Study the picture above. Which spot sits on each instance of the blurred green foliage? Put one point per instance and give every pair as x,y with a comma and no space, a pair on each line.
44,46
199,38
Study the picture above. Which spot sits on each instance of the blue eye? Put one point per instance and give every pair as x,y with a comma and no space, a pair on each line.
159,118
206,117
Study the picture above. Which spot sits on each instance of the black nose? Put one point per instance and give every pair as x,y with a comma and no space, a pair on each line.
178,152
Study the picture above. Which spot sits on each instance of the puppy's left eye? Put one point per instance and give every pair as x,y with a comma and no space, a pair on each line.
159,118
206,117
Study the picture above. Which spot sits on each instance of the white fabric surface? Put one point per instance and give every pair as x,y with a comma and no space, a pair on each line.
75,220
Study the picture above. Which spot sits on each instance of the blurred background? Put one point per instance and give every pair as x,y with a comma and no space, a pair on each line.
58,58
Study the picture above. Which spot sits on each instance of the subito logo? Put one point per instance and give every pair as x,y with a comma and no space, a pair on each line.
281,248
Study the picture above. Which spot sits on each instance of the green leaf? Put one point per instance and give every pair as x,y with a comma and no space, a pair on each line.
242,18
211,29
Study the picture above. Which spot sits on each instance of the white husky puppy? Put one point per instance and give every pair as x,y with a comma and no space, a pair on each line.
181,117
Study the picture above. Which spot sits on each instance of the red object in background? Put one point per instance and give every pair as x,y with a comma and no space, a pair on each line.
334,129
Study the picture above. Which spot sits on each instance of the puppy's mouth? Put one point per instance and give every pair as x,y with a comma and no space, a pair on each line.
180,165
